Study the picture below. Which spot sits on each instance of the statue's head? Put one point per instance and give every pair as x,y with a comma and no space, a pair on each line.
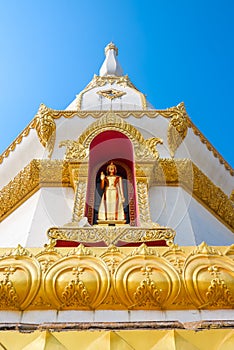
111,169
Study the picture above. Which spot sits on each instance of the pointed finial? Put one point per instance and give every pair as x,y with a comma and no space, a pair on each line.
111,46
111,65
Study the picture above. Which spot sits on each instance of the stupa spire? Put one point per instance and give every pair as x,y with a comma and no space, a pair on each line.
111,64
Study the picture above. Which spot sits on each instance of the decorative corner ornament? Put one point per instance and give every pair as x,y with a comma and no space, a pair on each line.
45,127
111,94
177,129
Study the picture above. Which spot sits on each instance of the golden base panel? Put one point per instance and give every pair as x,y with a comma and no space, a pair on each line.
112,278
128,339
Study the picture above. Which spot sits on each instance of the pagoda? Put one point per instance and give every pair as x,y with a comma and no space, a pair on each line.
117,227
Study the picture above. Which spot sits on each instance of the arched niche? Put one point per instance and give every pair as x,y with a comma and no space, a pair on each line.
113,146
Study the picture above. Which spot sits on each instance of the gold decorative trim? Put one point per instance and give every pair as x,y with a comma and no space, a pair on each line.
79,150
112,235
177,172
142,278
185,173
37,174
172,112
99,81
18,140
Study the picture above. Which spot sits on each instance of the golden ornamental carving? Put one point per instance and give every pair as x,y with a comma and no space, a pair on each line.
99,81
18,140
46,128
184,173
124,81
79,203
111,94
36,174
79,150
112,235
207,278
117,278
78,281
177,128
20,279
173,172
145,281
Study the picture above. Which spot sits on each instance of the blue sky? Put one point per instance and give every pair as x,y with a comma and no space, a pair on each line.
172,50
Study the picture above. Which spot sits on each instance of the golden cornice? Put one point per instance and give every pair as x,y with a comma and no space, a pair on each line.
37,174
143,278
170,172
79,150
112,235
18,140
184,173
178,115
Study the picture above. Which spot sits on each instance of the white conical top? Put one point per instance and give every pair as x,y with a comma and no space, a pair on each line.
111,65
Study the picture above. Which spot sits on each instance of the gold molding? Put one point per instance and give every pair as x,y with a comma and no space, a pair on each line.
142,278
170,172
79,150
99,81
37,174
172,112
111,235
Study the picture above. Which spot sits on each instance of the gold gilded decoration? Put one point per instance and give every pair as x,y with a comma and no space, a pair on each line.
19,279
147,293
8,296
184,173
218,293
18,140
75,293
145,281
177,128
79,203
99,81
111,94
78,281
112,235
216,272
36,174
79,150
141,278
46,128
39,173
122,81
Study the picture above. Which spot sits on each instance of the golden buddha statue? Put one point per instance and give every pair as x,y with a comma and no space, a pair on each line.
111,209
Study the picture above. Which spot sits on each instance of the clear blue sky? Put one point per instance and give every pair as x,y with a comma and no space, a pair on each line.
172,50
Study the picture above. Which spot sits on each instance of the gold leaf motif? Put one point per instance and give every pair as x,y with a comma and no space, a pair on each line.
205,273
8,296
218,294
147,293
75,293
